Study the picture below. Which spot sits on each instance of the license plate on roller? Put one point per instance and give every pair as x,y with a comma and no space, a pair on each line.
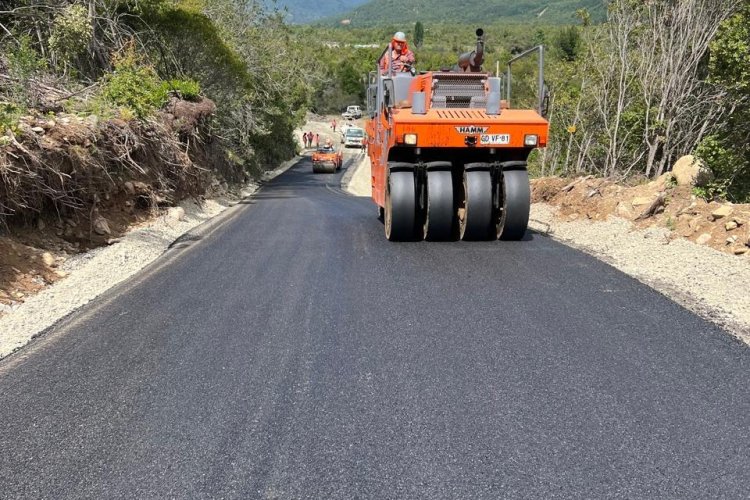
494,139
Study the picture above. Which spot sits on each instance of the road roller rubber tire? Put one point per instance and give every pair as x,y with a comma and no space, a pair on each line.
477,220
515,205
400,206
440,213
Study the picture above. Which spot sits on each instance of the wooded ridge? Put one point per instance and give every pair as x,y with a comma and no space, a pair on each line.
380,12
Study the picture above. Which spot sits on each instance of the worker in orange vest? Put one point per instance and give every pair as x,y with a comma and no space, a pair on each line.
401,57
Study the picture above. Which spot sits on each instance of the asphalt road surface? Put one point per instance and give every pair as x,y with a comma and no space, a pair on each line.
292,352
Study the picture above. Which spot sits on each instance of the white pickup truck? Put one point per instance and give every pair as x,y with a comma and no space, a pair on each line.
352,112
354,137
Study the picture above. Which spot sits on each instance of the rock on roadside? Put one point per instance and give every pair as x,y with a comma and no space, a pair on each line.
690,171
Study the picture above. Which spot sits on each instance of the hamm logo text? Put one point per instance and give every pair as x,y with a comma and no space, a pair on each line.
471,129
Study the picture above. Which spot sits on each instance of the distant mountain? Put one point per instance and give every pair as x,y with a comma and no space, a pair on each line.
394,12
305,11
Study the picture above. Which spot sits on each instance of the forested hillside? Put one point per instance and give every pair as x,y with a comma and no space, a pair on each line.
305,11
378,12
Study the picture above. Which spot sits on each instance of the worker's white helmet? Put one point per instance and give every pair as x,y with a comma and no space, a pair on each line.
399,36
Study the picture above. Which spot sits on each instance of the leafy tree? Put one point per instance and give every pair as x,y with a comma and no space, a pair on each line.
418,34
727,152
540,37
584,16
71,33
569,43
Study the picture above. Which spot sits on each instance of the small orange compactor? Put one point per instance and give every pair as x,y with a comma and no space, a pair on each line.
448,155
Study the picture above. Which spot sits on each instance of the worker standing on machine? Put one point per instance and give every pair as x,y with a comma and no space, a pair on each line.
401,57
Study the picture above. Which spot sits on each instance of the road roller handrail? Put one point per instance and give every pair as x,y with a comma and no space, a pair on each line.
541,90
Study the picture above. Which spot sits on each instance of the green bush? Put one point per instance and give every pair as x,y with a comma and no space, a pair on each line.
23,60
188,90
9,115
134,85
730,168
71,32
24,63
569,43
728,152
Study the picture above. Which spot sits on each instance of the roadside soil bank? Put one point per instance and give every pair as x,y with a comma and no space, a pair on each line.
667,250
661,203
71,183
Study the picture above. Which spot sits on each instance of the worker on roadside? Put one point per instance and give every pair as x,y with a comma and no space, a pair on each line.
401,57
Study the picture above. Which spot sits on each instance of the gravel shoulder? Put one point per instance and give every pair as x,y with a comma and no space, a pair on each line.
710,283
357,179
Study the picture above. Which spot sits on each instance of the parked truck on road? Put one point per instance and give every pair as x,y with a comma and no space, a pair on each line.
352,113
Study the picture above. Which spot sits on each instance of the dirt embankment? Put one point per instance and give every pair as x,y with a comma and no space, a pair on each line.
661,203
69,183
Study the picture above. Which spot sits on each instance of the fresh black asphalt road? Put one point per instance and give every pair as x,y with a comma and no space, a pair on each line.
292,352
